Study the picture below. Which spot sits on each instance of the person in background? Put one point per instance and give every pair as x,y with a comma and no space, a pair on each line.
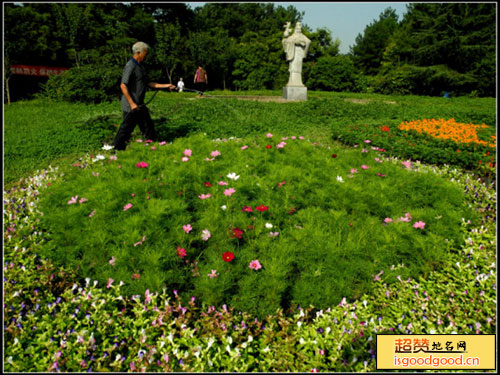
201,79
180,85
133,86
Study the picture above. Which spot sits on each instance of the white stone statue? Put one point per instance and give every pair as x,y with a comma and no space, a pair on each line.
296,47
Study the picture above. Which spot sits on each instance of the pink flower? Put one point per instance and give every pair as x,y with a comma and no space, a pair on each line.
136,276
153,148
92,213
185,159
229,192
205,234
378,160
181,252
141,241
367,141
187,228
377,276
82,200
407,164
419,225
269,135
365,167
73,199
247,209
204,196
294,137
408,215
110,281
213,274
274,234
162,143
113,157
149,141
142,164
222,183
214,153
255,265
301,138
188,152
281,145
354,171
148,296
112,261
388,220
127,206
405,219
364,150
280,184
244,147
139,140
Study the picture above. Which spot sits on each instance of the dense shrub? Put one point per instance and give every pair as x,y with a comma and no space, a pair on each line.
85,84
416,80
333,73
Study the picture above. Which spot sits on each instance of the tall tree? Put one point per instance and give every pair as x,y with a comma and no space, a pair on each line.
368,51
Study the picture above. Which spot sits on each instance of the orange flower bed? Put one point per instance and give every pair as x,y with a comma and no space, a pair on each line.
449,129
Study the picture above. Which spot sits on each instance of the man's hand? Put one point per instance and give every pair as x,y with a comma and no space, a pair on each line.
134,107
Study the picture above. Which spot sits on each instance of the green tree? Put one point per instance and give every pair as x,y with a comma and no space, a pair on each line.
368,51
460,36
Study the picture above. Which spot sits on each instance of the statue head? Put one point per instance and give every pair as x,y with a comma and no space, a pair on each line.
298,27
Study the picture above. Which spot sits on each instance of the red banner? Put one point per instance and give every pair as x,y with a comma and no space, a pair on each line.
33,70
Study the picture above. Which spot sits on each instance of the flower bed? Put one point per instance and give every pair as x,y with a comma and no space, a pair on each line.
53,322
439,142
249,227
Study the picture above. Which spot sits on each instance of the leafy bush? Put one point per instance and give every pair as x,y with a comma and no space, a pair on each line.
150,230
416,80
333,73
85,84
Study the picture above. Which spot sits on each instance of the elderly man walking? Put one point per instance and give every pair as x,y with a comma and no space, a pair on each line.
133,87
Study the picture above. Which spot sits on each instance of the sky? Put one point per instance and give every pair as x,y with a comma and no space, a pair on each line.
345,20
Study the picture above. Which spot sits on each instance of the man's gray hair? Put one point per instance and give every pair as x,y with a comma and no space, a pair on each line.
139,47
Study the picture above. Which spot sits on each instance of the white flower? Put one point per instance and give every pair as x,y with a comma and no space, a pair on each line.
269,225
99,157
340,179
107,147
223,207
233,176
266,349
205,234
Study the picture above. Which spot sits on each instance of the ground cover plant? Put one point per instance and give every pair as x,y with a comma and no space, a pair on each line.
54,322
245,222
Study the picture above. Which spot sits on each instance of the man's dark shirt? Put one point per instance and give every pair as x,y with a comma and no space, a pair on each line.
136,79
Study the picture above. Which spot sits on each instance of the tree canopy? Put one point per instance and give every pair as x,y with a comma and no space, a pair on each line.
451,45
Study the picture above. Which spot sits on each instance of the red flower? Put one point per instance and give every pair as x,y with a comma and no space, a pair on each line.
334,155
237,232
181,252
385,128
207,184
136,276
269,146
262,208
247,209
227,256
280,184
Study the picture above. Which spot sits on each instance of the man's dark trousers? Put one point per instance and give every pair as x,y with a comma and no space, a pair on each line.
130,120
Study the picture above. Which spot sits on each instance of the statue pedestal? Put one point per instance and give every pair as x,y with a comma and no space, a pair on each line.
295,93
